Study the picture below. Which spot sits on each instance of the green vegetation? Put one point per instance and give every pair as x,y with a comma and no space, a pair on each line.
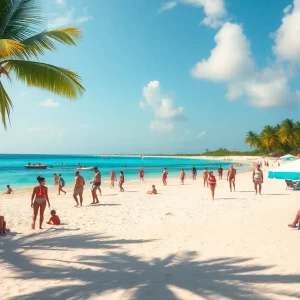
279,139
21,44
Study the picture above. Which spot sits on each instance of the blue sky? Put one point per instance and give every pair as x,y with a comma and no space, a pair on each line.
163,77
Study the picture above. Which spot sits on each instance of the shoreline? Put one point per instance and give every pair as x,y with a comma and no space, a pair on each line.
248,166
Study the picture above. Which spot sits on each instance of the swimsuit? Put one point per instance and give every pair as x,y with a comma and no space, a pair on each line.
40,196
212,180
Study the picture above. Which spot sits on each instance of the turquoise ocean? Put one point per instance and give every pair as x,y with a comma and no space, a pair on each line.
13,172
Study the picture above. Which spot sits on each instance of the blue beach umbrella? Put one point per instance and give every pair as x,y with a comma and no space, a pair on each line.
289,171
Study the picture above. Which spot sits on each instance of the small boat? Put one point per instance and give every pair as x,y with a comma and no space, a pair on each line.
85,169
35,167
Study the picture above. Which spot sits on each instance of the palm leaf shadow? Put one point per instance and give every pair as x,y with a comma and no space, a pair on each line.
227,277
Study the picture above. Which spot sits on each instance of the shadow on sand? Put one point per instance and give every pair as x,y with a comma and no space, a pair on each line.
226,277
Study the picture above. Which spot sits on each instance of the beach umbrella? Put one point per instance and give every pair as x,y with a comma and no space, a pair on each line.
290,171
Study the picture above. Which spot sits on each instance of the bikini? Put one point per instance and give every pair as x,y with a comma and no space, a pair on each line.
40,196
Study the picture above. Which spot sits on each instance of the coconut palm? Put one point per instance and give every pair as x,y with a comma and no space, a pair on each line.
269,138
289,132
252,139
21,44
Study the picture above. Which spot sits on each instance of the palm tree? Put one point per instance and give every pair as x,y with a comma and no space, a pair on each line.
21,43
269,138
289,132
252,139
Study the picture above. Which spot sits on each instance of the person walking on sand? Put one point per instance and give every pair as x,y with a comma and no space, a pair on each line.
96,183
212,181
165,176
297,219
121,182
205,177
113,178
8,191
39,199
61,184
231,177
142,174
194,173
55,179
78,188
182,176
258,178
220,173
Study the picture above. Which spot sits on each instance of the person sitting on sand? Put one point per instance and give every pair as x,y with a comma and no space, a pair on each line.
205,177
78,188
231,177
8,191
113,178
165,176
212,181
61,184
153,191
182,176
297,219
39,199
54,220
121,182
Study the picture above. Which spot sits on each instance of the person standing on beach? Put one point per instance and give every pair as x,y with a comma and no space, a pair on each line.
39,199
55,179
182,176
113,178
121,182
96,183
165,176
78,188
142,173
220,172
231,177
297,219
212,181
194,173
205,177
61,184
258,178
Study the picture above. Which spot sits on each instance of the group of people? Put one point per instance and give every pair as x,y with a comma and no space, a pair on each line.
40,199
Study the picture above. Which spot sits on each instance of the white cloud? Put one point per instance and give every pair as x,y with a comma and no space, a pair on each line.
269,88
201,134
231,58
214,10
287,42
161,126
68,19
49,103
167,6
161,104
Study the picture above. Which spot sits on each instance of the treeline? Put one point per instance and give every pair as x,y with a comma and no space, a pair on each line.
282,138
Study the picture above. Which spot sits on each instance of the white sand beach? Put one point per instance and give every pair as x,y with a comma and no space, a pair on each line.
178,244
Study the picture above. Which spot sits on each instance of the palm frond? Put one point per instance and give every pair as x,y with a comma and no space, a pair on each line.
57,80
10,48
37,44
5,106
19,18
